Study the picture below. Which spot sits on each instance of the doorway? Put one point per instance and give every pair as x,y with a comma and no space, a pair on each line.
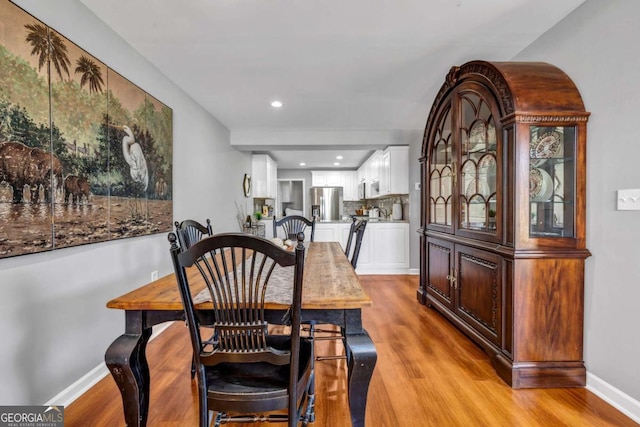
291,200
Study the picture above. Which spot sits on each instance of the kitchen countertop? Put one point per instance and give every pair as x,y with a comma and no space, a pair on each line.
372,220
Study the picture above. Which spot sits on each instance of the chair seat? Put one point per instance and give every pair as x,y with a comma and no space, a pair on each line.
238,386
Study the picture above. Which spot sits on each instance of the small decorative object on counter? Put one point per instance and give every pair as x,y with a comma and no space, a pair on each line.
396,210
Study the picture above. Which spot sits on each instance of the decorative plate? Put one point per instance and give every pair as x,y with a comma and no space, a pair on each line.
540,185
546,146
483,190
480,135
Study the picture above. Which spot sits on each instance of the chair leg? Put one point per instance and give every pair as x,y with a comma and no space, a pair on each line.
193,367
310,415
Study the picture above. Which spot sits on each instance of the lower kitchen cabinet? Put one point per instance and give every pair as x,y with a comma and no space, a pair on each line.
385,245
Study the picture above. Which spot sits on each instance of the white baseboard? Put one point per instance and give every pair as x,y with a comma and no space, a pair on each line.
616,398
414,271
78,388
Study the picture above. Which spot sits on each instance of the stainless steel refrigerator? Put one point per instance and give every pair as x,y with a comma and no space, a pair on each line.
326,203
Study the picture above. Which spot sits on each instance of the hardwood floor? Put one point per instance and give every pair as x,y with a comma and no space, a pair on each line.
428,374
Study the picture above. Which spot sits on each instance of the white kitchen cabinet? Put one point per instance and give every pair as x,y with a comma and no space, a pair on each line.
374,165
264,179
385,245
394,170
326,178
365,174
386,172
331,232
344,179
350,186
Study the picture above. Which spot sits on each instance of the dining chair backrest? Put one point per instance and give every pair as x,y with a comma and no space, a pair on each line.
292,225
234,271
356,233
190,232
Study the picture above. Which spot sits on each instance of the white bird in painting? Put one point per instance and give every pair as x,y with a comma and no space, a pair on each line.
134,157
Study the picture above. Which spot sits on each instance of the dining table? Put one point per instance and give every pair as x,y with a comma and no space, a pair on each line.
332,294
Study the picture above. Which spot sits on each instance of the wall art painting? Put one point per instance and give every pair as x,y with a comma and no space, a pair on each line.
85,155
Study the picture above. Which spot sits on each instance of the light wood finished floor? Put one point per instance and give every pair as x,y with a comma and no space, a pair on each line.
428,374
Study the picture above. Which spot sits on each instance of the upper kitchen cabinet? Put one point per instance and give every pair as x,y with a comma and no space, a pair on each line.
345,179
386,172
503,217
394,170
265,177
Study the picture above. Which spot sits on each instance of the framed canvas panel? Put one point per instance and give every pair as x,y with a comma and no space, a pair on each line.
157,125
28,173
78,109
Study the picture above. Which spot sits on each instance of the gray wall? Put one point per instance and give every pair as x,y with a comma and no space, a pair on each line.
596,47
53,321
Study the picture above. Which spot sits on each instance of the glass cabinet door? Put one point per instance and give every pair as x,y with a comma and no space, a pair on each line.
478,165
441,173
552,181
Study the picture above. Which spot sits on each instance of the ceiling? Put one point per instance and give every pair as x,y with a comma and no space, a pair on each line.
334,64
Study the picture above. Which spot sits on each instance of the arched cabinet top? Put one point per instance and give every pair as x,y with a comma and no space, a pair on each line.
525,91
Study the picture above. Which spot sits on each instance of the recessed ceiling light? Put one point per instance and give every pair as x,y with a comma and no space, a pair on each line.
336,164
303,164
276,104
339,157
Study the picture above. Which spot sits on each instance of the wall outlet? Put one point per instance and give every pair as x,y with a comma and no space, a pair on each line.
154,275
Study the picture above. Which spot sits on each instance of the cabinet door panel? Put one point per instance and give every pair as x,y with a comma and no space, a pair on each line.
394,238
440,268
479,290
325,234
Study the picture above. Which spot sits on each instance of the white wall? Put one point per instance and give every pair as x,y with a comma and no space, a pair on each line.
596,46
53,321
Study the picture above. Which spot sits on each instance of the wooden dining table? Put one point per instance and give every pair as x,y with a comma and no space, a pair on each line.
331,294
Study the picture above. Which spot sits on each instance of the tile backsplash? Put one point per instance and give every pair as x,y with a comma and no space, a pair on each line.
385,204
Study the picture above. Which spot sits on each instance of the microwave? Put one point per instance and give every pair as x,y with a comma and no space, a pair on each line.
361,193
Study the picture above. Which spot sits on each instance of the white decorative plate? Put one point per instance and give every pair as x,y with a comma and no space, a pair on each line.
540,185
480,135
546,146
483,189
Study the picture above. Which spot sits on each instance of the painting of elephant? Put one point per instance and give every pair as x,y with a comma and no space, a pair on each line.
21,165
75,187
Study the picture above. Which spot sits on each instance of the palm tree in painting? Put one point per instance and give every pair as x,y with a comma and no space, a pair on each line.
49,48
91,74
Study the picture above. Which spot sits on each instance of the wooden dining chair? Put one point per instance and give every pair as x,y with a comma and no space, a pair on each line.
246,371
190,232
356,233
292,225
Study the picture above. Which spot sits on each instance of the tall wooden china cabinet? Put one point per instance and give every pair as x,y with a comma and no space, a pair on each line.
503,217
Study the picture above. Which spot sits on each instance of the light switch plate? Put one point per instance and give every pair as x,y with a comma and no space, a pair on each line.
629,199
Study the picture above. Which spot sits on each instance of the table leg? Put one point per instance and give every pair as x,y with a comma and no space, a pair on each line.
361,359
127,362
